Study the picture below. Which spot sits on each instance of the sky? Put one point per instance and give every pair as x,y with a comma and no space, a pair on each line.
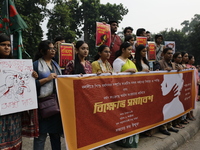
155,15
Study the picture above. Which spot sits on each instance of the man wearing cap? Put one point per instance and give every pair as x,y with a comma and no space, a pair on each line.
115,40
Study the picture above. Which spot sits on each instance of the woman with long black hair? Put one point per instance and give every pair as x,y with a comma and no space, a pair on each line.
80,65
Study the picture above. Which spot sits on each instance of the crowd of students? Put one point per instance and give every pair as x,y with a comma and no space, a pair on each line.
114,58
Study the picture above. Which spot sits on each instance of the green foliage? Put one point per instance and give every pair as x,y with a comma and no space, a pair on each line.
194,42
112,12
188,26
59,22
33,12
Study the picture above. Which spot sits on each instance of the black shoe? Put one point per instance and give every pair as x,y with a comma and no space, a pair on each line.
173,130
165,132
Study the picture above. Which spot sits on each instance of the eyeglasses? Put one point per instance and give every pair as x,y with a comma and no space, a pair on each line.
179,57
4,45
107,52
169,53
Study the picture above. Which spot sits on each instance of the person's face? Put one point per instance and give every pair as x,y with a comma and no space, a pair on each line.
83,50
159,40
105,54
5,49
51,51
168,56
128,32
185,58
143,53
113,27
131,41
178,59
127,51
191,61
148,36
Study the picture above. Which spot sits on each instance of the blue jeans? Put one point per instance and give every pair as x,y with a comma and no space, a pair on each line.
40,141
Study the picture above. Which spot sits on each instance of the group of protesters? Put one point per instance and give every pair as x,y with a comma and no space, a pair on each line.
118,57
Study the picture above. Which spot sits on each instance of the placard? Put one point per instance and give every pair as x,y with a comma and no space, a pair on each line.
17,86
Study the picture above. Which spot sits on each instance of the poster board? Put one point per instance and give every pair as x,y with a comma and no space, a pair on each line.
152,51
103,34
141,40
66,54
171,44
17,86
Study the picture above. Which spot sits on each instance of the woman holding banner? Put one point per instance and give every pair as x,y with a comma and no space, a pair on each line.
101,64
80,65
122,63
47,70
190,63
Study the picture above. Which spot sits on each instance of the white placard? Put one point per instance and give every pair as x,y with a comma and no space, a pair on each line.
17,86
170,44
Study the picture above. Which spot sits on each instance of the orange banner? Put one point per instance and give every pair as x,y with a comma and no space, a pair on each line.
103,34
102,109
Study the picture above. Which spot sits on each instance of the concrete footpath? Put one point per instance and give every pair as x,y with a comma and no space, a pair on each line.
157,142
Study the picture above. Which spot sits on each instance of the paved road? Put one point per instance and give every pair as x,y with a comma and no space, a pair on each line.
192,144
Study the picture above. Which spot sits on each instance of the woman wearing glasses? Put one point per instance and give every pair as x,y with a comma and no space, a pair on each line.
101,64
47,70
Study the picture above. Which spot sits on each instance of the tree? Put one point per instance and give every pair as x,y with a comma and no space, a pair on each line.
80,17
194,43
60,21
189,26
33,12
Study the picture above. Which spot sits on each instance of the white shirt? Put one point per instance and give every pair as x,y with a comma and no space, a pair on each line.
117,65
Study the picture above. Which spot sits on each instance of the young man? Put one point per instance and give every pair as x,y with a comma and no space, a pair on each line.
166,64
148,34
159,46
115,40
128,31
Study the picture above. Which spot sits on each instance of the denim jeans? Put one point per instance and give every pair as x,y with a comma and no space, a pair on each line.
40,141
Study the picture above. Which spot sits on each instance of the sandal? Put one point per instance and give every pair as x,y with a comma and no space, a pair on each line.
187,121
183,122
181,126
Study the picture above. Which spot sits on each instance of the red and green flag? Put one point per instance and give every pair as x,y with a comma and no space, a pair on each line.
11,20
12,23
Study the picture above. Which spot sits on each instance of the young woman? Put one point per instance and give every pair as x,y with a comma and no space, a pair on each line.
184,59
101,64
130,39
190,63
80,65
141,62
177,59
183,63
122,63
47,70
11,124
